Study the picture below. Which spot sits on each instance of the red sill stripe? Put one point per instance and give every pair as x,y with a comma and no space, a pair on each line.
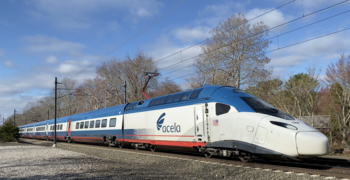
166,143
164,135
86,138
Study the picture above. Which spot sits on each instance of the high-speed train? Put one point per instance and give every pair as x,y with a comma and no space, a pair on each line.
214,120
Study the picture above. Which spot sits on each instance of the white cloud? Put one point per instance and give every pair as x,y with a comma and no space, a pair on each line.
271,19
8,63
9,103
309,6
51,59
67,68
114,26
142,12
40,43
191,34
213,14
82,13
223,9
319,52
164,47
72,67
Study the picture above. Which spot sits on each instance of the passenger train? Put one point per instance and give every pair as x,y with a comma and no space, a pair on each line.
213,120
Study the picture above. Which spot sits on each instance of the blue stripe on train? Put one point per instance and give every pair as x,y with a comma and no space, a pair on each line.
97,133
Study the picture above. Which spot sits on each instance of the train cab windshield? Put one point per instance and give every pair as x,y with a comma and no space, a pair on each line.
263,107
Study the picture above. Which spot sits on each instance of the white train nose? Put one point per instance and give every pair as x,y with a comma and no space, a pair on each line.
312,143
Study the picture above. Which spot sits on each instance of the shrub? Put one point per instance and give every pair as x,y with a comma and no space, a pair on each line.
9,132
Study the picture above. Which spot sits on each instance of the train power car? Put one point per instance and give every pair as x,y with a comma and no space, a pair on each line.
214,120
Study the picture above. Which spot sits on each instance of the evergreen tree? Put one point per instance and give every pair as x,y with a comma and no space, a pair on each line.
9,132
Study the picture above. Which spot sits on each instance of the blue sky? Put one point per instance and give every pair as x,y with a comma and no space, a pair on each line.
44,39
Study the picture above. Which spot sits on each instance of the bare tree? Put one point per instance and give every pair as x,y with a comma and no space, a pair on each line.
338,77
130,69
235,54
66,97
165,87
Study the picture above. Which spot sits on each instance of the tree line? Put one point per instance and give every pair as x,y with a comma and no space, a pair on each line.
234,56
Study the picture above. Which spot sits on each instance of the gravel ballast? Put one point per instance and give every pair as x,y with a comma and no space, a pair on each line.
23,161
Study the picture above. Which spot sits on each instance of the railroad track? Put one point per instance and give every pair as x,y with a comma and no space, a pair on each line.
318,167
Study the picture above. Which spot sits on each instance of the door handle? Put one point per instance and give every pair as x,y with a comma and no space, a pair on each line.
197,128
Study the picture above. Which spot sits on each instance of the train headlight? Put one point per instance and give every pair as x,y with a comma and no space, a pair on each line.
285,125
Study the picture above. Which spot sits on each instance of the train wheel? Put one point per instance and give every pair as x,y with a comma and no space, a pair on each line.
120,145
136,147
244,157
152,148
207,155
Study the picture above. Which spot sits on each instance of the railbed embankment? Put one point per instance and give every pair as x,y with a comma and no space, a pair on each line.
28,161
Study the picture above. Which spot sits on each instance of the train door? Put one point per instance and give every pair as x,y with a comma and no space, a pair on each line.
199,122
47,129
34,132
69,126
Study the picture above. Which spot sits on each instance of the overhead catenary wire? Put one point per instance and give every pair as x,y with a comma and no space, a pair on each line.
277,36
226,30
275,27
132,37
287,46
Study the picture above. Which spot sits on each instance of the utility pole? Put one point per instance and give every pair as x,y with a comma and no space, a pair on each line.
48,114
14,117
124,92
54,141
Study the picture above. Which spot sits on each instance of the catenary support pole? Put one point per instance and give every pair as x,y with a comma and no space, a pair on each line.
124,92
54,139
14,117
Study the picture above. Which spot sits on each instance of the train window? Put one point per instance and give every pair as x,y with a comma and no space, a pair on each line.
195,93
97,123
86,124
156,102
131,106
112,122
77,125
263,107
61,126
169,99
81,125
104,123
151,103
92,124
177,97
160,100
222,108
185,95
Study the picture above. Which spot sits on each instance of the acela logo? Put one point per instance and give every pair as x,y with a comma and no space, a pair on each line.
172,128
160,121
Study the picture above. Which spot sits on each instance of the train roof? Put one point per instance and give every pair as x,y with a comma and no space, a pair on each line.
205,92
